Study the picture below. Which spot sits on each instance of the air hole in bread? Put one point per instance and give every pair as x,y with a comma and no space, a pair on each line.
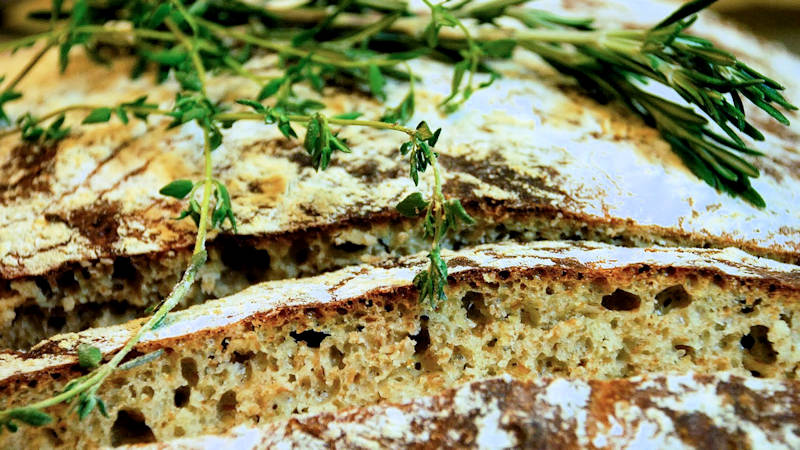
312,338
226,408
189,371
253,262
350,247
422,340
58,319
473,302
299,251
130,428
43,285
182,395
673,297
747,309
67,282
758,346
529,315
241,357
620,300
125,270
52,436
552,365
337,357
685,351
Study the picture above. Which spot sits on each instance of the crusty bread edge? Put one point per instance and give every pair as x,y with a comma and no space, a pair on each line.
273,303
656,411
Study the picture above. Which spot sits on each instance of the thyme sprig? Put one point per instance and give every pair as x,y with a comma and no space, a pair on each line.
365,42
186,58
616,64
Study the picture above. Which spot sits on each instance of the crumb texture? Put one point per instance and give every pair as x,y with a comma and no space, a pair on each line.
531,147
359,336
675,411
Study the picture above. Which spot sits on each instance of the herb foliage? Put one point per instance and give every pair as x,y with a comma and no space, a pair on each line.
365,42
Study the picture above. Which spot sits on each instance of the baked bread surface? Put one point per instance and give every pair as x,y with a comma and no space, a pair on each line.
531,141
82,223
659,411
359,336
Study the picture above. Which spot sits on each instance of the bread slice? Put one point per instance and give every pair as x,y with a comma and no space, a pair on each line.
359,336
85,239
673,411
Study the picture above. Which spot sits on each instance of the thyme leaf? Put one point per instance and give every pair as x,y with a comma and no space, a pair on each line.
89,357
329,44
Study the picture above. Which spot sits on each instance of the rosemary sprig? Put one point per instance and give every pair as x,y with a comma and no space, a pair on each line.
613,64
367,41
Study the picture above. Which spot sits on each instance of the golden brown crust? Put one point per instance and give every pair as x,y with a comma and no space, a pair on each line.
540,309
531,146
274,303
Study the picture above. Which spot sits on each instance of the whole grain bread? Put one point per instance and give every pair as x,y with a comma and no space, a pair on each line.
86,240
689,411
359,336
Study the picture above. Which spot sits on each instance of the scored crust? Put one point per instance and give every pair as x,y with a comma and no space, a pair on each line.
359,336
81,223
657,411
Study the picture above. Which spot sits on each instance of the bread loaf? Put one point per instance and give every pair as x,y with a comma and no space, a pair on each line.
86,240
359,336
666,411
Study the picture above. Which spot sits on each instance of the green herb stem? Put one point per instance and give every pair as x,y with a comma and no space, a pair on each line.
226,117
438,201
237,68
27,40
138,32
29,65
94,380
79,107
611,64
287,49
200,242
192,49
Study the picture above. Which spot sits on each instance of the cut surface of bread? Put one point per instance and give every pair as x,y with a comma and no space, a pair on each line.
675,411
359,336
85,239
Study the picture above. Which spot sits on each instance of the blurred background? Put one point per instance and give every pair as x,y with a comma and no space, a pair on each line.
771,19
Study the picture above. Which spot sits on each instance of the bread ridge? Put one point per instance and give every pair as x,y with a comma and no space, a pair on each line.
267,301
529,158
655,411
360,335
522,176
